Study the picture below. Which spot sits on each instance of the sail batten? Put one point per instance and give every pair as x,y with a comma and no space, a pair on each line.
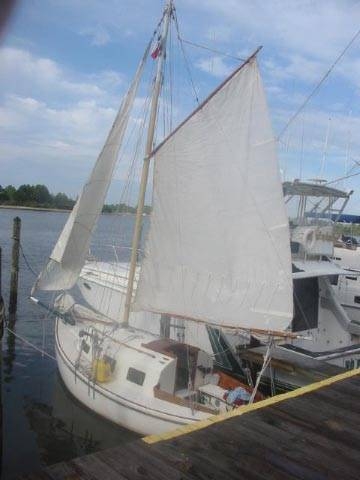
70,251
218,246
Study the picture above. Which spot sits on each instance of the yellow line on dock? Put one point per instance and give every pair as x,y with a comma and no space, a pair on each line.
192,427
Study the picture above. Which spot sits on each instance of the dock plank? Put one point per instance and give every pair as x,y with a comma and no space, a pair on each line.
140,463
309,444
309,434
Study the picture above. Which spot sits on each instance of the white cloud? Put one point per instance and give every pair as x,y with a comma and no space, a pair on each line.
52,117
98,34
295,67
60,143
84,123
44,77
317,29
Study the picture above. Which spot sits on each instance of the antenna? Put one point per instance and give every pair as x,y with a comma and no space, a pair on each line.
325,149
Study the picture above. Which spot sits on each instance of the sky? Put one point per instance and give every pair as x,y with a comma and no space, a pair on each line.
65,65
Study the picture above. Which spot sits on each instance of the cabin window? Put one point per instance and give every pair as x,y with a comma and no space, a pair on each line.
334,279
351,278
306,304
86,285
357,299
135,376
294,247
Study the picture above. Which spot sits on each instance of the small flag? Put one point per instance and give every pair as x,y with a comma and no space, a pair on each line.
156,52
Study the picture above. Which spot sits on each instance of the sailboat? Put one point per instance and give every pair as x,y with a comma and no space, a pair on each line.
217,254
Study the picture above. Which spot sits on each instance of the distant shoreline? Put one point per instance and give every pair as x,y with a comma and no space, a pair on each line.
41,209
61,210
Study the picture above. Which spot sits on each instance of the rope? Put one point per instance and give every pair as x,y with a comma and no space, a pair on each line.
317,87
27,342
27,262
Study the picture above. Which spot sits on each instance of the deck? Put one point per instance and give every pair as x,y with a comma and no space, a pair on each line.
310,433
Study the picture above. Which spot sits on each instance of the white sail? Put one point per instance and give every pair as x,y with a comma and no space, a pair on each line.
218,249
69,253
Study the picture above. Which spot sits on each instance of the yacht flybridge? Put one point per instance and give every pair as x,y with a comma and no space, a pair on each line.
325,288
320,313
217,255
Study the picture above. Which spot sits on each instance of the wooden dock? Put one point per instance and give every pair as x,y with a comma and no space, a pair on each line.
310,433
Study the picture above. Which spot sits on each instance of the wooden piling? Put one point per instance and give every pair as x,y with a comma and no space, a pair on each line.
2,320
15,266
2,305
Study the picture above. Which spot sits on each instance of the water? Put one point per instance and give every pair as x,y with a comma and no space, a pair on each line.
43,424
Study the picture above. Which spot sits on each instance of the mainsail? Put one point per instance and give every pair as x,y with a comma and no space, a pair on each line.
69,253
218,248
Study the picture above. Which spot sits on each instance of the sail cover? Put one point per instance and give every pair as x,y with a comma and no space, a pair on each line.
218,248
71,249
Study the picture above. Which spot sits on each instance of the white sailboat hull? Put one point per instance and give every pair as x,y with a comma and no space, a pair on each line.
108,406
139,413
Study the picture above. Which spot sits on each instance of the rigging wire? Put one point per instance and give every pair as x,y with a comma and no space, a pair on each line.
302,149
349,174
342,178
140,143
186,61
125,196
319,84
211,49
325,149
167,104
171,82
126,190
267,360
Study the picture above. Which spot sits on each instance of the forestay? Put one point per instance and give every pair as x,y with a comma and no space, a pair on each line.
71,249
218,249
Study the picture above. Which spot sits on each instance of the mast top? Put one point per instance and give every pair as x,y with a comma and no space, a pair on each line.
169,7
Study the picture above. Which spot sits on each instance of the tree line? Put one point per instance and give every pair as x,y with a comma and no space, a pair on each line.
34,196
38,196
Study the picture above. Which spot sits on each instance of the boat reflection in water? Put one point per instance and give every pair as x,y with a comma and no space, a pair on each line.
66,429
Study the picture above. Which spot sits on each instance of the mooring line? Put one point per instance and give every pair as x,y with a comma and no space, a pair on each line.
43,352
27,262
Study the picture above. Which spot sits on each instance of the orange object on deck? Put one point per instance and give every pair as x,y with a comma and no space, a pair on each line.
230,383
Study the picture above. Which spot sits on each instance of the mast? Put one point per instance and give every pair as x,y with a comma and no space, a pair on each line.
146,164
